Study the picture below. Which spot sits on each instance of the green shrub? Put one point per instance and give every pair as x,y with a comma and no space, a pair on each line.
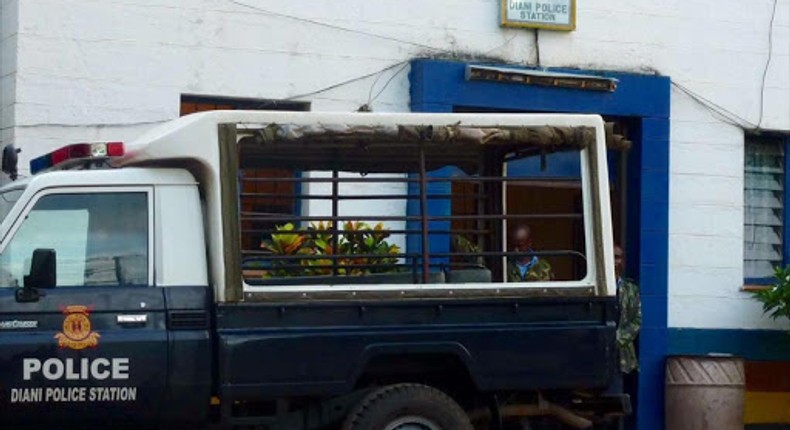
361,249
776,299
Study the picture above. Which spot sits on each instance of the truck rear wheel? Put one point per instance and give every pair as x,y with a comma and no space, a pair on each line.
407,407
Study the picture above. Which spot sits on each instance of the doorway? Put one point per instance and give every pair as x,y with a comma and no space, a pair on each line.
552,185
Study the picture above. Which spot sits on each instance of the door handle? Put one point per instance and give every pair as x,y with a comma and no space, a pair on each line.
136,319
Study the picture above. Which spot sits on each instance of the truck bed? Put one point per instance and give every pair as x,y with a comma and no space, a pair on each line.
271,350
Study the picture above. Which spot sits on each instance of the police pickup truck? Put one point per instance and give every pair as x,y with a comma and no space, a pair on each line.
284,270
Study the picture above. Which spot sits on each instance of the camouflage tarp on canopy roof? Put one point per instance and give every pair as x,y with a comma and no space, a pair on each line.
377,149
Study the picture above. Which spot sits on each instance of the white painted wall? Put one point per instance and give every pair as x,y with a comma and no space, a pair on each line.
8,43
109,69
357,208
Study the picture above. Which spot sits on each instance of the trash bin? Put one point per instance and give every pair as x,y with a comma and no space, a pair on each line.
704,393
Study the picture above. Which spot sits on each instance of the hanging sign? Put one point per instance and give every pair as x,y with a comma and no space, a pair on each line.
544,14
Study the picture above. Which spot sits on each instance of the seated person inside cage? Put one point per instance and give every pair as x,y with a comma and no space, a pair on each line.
526,267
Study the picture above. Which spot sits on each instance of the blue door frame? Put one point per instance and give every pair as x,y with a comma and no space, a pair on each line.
441,86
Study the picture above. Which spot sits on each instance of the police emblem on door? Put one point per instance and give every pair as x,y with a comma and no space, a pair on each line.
77,332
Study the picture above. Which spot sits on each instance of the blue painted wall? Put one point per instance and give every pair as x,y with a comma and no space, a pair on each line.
440,86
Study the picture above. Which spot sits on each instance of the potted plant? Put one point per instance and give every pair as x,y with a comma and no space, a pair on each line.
358,248
472,267
357,239
776,299
285,242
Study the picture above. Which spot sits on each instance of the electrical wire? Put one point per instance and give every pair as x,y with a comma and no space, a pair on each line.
719,111
403,65
726,115
97,125
347,81
373,85
722,113
507,42
767,64
399,71
333,26
386,84
380,73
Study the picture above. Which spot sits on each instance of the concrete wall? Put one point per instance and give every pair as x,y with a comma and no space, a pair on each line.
8,56
725,64
110,69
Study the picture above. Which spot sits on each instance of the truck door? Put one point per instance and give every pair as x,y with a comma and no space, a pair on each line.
90,349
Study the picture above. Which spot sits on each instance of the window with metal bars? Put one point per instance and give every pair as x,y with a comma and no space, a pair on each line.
765,187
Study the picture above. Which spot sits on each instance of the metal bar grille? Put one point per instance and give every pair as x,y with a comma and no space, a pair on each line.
327,242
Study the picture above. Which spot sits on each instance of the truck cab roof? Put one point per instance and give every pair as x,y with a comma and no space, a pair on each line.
104,178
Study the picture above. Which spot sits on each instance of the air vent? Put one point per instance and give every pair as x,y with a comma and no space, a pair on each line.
187,320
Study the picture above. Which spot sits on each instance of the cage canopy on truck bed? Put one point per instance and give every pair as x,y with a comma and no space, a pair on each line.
228,152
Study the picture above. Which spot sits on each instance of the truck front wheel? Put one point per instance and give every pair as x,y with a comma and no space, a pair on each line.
407,407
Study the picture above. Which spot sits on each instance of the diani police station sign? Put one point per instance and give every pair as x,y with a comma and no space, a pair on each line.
543,14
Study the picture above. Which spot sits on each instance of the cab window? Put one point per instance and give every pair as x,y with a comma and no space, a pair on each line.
99,239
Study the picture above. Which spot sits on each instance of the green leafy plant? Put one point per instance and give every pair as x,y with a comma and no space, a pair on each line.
364,240
776,299
319,243
285,243
358,247
460,244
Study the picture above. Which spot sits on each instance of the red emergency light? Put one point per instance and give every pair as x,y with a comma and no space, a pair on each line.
76,153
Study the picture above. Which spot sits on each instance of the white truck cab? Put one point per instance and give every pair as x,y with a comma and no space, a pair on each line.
154,215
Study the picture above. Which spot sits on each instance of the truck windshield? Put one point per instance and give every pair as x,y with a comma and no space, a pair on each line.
7,201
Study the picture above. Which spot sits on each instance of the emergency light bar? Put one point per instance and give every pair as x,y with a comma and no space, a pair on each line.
76,153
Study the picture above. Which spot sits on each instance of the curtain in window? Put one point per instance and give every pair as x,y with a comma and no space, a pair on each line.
764,203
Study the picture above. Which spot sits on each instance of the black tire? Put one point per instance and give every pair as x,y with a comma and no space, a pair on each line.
424,407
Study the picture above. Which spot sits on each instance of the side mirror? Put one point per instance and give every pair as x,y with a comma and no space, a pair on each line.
42,275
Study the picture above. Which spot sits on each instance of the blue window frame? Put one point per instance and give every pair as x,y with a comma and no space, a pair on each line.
766,240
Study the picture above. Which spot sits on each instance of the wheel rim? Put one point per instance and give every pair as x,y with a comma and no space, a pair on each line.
412,423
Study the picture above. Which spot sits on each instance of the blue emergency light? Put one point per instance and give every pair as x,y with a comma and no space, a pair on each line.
76,153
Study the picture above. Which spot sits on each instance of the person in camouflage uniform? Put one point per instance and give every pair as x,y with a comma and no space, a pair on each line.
630,318
526,268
